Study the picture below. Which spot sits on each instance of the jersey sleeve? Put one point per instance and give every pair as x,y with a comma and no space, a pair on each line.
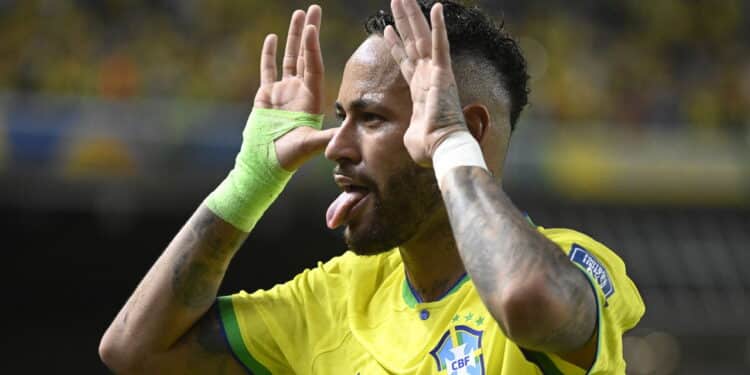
619,304
274,331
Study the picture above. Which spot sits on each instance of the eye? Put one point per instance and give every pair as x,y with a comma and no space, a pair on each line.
372,119
340,116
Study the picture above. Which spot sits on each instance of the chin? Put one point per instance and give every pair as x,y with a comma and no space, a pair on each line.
374,237
365,242
390,220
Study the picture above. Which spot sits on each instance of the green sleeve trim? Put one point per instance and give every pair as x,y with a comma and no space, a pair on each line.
232,331
528,218
544,363
599,312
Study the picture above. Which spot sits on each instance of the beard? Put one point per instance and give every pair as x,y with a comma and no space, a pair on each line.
400,210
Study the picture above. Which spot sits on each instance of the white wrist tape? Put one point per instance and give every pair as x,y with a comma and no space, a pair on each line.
459,149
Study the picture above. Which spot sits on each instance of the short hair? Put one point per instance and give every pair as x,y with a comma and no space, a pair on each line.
472,33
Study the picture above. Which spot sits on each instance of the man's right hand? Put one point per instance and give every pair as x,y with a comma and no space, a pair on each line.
168,325
300,88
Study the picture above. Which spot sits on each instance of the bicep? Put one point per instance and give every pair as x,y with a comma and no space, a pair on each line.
203,350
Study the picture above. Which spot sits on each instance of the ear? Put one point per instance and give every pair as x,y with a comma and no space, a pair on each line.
477,118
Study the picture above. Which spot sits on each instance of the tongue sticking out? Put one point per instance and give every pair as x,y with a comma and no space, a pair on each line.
338,211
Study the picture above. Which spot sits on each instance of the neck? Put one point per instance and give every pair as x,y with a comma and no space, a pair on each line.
433,265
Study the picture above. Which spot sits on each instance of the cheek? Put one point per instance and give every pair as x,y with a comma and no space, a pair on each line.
383,153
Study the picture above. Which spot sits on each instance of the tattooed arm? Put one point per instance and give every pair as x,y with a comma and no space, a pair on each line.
156,330
168,326
539,298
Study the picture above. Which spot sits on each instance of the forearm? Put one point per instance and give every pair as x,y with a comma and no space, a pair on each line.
182,284
177,290
540,299
166,323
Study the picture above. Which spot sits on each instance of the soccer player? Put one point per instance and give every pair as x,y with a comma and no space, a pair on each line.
444,274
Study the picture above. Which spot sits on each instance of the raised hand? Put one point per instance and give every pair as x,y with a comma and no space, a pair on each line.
300,88
424,58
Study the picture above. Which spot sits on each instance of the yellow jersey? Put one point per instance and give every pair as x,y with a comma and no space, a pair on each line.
358,315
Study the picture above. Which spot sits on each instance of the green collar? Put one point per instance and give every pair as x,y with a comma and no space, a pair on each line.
411,298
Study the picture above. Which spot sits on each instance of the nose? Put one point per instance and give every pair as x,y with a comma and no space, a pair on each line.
344,146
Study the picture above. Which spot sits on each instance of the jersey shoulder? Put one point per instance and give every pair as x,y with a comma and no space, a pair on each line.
619,304
264,328
605,268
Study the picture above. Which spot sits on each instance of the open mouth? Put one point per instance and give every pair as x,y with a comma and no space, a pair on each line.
343,208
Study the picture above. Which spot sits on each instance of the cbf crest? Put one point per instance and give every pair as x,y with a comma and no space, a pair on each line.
459,352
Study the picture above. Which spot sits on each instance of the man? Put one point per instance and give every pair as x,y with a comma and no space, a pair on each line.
444,275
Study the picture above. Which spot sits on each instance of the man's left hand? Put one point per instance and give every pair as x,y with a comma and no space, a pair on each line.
424,58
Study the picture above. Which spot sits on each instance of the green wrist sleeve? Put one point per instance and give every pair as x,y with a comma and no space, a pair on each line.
257,178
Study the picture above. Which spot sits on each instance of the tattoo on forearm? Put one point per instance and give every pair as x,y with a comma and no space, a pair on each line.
198,271
194,282
497,247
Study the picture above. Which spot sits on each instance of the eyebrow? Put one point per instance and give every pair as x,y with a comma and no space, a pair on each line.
361,105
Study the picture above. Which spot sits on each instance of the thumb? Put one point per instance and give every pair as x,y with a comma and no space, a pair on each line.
317,141
300,144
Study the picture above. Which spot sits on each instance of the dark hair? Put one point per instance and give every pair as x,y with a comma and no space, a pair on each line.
471,32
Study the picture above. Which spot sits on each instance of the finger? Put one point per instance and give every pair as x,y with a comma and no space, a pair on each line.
313,59
440,45
300,144
292,43
312,17
268,60
404,29
301,59
318,140
419,28
398,52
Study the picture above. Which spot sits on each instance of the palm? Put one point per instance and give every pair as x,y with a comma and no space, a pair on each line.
419,81
300,88
290,94
424,57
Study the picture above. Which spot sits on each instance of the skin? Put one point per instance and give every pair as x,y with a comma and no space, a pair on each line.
374,106
170,325
371,138
538,297
541,301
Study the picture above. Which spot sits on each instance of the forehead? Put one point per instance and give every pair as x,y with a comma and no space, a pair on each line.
371,73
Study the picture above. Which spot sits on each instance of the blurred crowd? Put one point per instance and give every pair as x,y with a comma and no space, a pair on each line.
633,63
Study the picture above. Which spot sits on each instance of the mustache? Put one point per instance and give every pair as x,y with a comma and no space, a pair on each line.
358,177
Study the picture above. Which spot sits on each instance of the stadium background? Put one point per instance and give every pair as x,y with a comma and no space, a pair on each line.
118,116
